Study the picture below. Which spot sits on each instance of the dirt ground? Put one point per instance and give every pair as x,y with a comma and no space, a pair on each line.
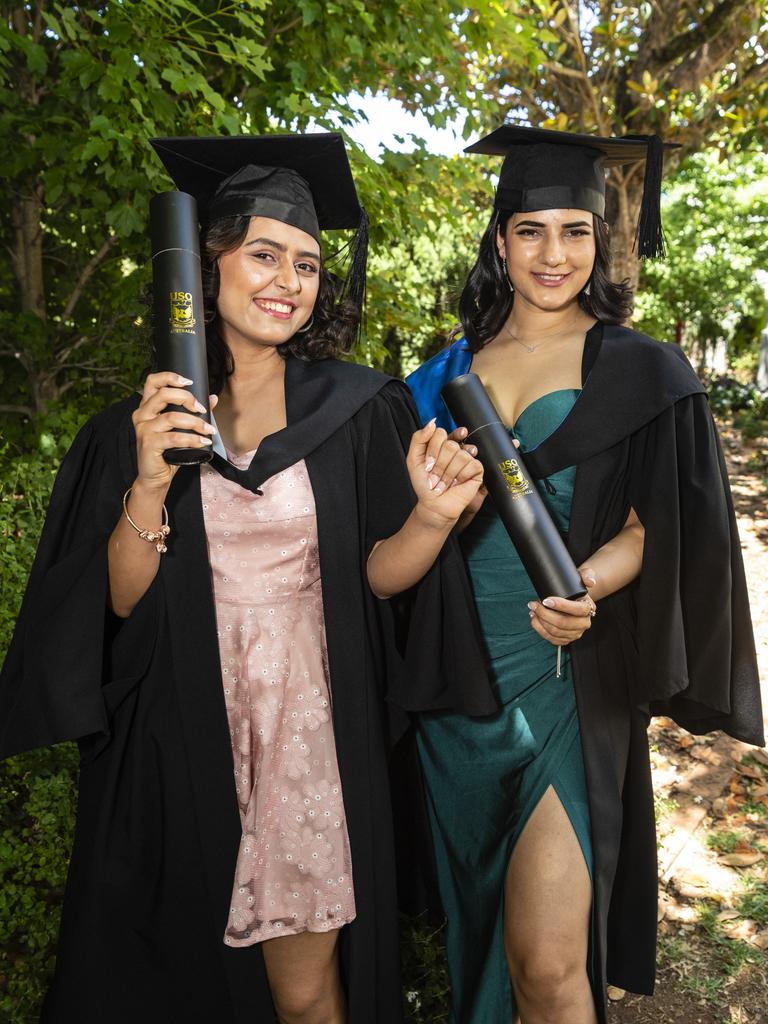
712,805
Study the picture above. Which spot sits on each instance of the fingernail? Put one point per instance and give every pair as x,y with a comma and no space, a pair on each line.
471,449
440,488
199,407
530,615
433,481
463,431
206,440
183,380
209,428
548,602
590,579
429,465
432,421
531,605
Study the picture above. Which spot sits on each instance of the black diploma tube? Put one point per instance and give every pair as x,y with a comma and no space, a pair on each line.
519,504
177,293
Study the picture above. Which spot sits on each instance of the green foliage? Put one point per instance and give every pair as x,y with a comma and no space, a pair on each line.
724,841
425,972
37,794
716,220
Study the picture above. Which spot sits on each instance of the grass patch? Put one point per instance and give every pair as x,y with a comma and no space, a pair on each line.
754,903
725,841
425,972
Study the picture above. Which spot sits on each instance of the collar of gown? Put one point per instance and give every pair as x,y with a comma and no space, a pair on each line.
320,397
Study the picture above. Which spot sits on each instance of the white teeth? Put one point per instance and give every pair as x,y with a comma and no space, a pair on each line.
277,307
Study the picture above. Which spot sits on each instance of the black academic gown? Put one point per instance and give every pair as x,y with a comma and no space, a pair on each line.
677,641
158,827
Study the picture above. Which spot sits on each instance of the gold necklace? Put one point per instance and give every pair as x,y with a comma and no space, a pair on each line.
532,348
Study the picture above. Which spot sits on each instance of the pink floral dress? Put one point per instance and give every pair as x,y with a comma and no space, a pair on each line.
294,870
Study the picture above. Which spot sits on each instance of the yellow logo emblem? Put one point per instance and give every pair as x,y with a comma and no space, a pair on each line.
513,476
182,313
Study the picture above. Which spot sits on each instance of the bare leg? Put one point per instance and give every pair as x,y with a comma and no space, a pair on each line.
548,896
303,972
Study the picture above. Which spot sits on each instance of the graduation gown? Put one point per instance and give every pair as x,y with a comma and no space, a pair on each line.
158,827
677,641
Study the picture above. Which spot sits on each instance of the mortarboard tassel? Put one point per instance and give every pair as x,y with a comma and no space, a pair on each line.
650,234
354,285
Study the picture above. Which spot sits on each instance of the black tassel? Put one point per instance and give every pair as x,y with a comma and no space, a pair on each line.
650,234
353,288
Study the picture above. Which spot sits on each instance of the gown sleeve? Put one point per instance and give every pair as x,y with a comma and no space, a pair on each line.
695,647
431,632
67,644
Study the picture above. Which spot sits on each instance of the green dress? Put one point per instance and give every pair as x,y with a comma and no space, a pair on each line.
485,776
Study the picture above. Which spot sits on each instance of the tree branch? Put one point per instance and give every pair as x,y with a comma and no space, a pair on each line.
22,410
86,273
706,31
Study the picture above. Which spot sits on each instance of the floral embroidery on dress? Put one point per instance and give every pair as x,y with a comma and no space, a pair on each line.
294,870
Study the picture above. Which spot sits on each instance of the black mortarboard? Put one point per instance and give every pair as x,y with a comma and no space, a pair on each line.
545,169
301,180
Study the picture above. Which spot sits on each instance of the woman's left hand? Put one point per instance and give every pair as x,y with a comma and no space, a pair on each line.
445,476
561,621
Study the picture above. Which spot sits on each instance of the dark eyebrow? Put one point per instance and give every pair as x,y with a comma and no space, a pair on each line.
280,247
539,224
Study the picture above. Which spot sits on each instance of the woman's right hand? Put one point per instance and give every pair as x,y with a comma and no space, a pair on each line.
157,430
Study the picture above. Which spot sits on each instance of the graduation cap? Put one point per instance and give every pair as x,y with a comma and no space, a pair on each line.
301,180
545,169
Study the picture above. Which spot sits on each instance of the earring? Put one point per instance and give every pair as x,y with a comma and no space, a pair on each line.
307,326
506,274
588,288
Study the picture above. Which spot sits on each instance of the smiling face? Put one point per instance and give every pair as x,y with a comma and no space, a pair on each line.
268,284
550,255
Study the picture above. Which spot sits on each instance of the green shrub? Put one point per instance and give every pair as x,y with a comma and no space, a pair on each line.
37,790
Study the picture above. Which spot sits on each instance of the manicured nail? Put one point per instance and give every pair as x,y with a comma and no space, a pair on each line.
209,428
183,380
548,602
463,431
432,421
429,464
433,481
199,407
531,605
206,440
440,488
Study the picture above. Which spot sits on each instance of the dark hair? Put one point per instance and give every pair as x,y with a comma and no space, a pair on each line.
335,319
487,300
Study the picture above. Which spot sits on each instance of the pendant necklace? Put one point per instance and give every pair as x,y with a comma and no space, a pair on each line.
532,348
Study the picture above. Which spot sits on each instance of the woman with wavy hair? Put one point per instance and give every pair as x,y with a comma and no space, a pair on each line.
542,814
227,677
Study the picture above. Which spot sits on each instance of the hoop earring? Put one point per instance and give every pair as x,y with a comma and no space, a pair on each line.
307,326
506,274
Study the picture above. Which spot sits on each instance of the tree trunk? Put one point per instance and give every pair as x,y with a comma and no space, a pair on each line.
28,252
622,213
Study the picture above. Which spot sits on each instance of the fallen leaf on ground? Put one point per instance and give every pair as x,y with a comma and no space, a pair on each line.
750,771
686,741
741,860
728,915
702,753
761,940
741,930
760,755
614,994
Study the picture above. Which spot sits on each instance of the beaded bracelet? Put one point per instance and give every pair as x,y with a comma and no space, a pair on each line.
156,537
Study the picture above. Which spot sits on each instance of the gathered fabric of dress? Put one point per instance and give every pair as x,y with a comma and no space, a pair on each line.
294,868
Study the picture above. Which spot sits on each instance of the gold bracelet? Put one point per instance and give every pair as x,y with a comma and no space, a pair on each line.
156,537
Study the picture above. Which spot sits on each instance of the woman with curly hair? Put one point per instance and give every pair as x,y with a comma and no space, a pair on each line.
234,856
542,814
